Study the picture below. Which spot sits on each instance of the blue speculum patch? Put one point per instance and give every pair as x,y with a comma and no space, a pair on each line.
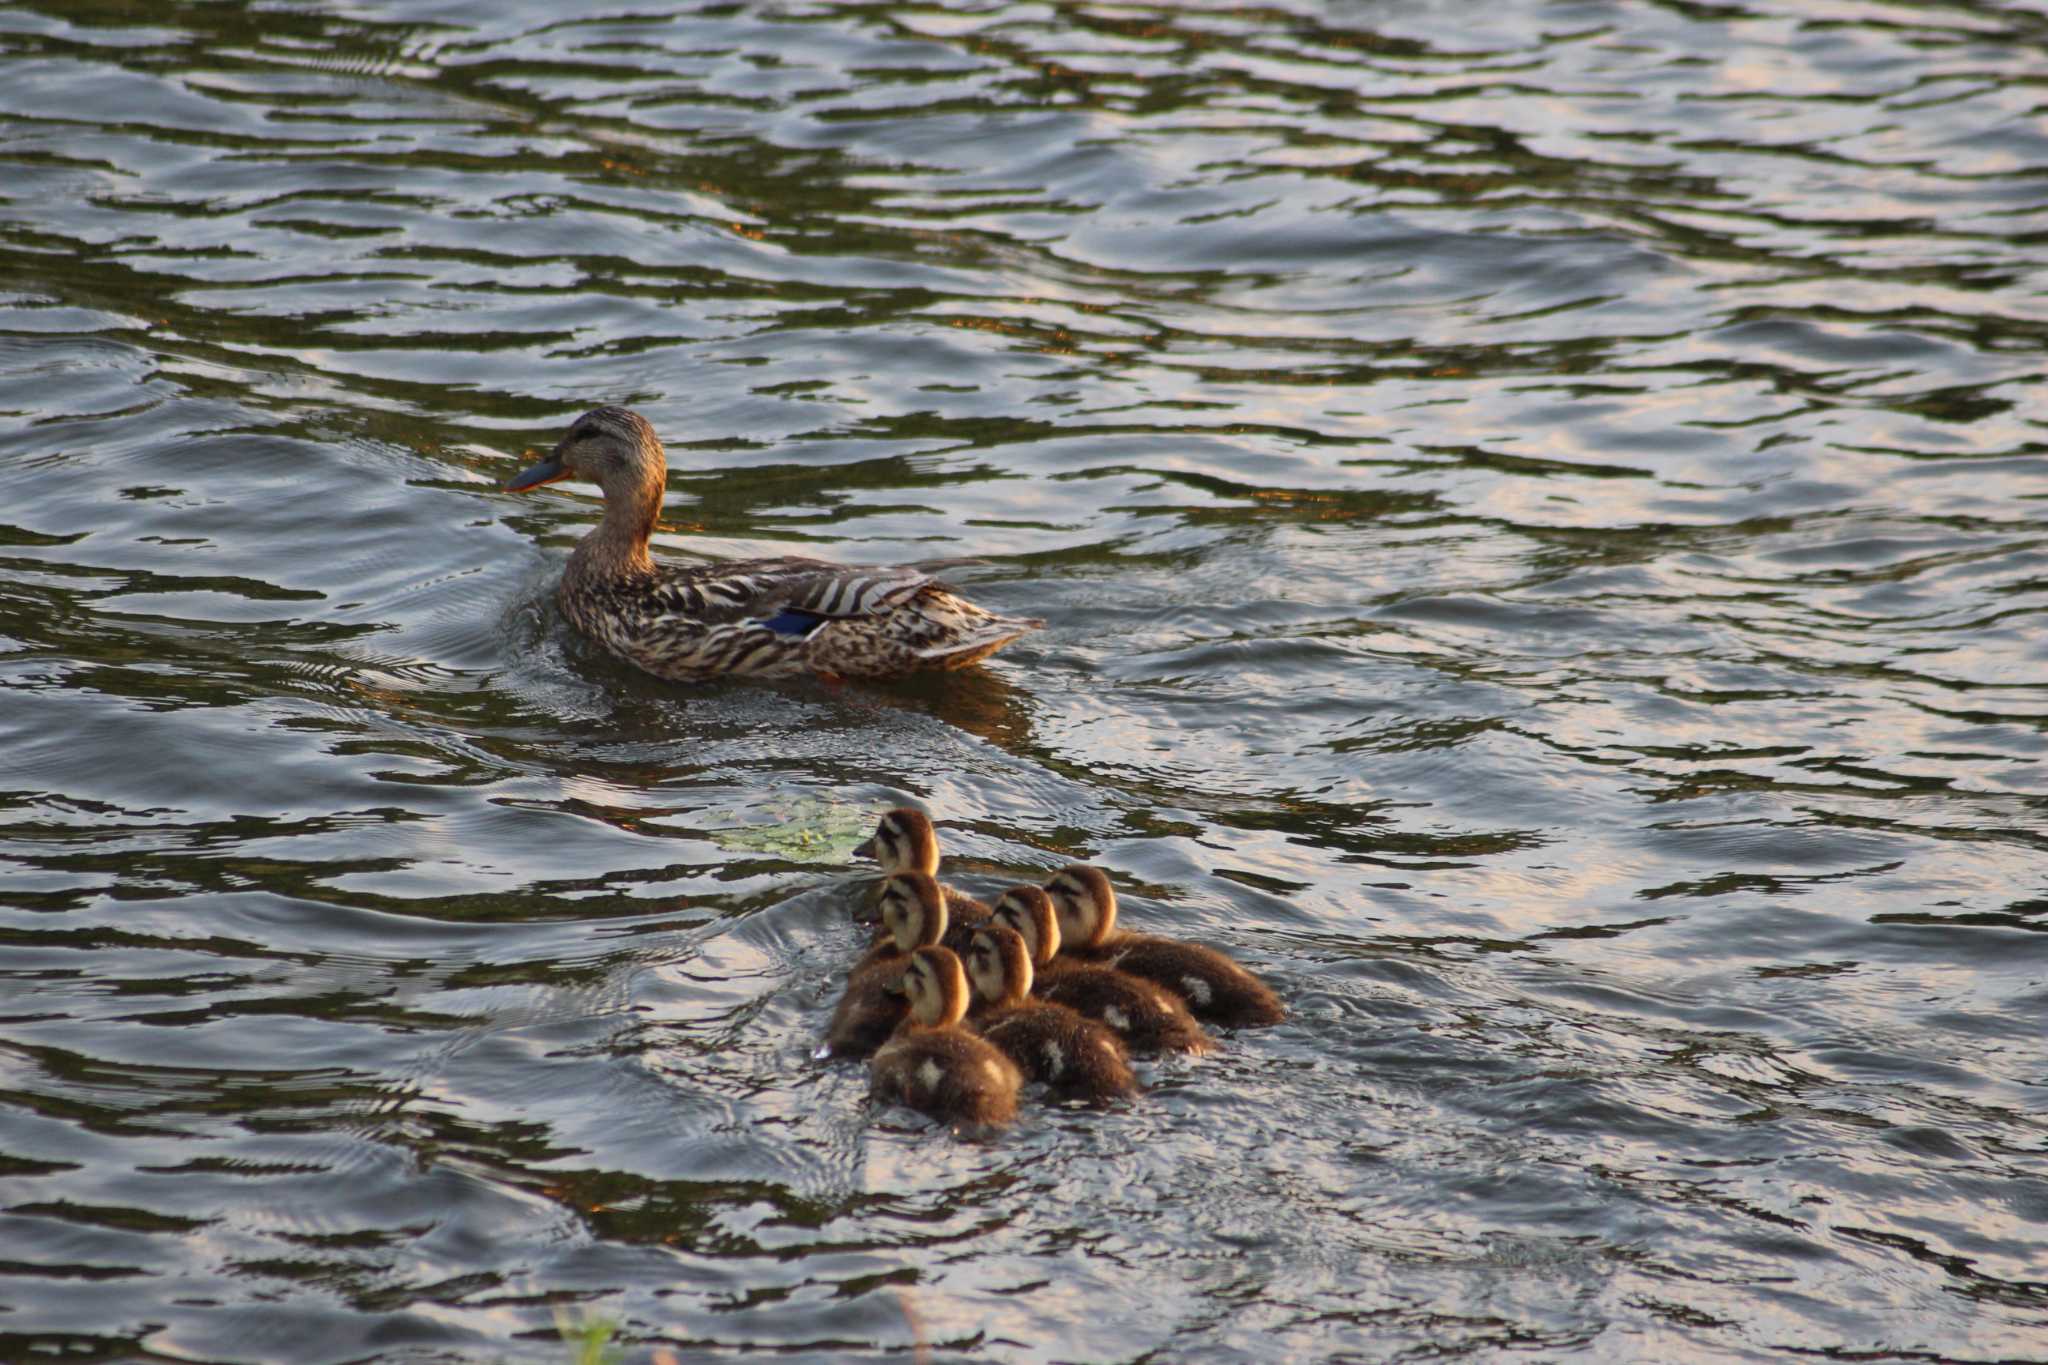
791,621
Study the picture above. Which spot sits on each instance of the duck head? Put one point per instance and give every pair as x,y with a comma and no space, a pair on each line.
614,448
937,987
913,910
999,965
1085,903
904,841
1029,911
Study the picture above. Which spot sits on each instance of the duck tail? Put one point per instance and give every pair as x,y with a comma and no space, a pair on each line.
982,639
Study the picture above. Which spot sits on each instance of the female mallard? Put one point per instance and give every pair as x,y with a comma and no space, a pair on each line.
762,617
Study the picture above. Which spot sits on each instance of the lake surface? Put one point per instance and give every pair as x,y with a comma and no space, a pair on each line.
1542,511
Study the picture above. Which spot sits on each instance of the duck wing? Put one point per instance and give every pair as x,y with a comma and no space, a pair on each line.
771,589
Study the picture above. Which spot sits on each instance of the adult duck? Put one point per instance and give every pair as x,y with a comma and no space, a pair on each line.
757,617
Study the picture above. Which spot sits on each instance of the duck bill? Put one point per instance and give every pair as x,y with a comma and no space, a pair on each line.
533,476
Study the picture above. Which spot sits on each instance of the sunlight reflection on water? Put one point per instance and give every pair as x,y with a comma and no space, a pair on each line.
1540,518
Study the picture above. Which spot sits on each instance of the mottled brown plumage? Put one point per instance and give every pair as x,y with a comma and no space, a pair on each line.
932,1063
761,617
1213,986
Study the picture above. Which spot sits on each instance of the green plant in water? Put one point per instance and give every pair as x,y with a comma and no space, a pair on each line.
806,830
590,1338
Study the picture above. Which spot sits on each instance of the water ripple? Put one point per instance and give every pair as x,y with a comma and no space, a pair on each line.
1538,517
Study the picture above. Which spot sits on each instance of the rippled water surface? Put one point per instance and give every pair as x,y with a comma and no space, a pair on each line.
1543,519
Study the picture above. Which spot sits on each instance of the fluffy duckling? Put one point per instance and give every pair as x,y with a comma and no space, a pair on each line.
904,841
913,916
933,1064
1146,1016
1073,1055
1217,990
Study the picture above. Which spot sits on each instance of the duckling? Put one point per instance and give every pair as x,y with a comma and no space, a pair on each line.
1074,1055
760,617
1147,1017
933,1064
913,916
1217,990
904,841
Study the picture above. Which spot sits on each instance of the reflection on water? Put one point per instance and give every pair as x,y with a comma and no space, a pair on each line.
1540,516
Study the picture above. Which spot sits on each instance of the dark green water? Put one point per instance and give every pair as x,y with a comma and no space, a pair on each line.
1543,516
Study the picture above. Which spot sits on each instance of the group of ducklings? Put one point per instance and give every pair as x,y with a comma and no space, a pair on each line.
1050,989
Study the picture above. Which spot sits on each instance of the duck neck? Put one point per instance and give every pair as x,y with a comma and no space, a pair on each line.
617,549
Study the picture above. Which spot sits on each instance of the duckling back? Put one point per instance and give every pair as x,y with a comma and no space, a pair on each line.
949,1074
1074,1056
1145,1015
933,1064
1214,987
868,1012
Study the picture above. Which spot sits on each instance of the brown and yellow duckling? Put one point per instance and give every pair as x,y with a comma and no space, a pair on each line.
904,841
1146,1016
931,1062
1075,1056
1215,988
913,916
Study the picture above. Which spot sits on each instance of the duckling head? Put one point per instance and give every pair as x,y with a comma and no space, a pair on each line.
999,964
913,910
904,841
937,986
1029,911
1085,903
615,448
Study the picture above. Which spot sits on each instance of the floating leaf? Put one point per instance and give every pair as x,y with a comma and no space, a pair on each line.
808,830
